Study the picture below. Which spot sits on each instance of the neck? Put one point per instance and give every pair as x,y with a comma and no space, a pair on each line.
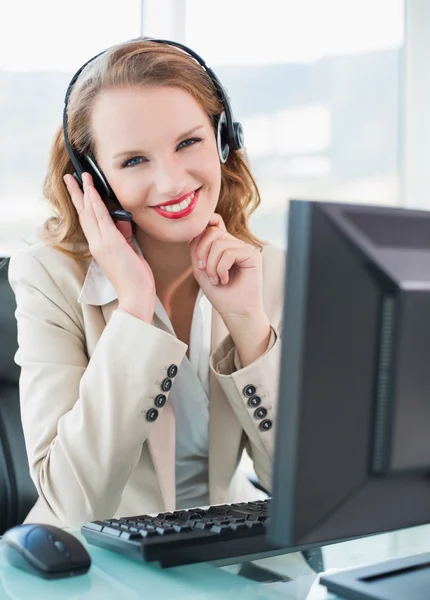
170,264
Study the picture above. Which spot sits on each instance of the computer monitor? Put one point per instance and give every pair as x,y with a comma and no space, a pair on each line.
352,453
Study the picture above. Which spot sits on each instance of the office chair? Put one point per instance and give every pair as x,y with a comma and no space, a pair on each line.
17,491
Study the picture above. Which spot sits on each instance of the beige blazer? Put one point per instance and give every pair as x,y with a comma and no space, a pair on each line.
89,376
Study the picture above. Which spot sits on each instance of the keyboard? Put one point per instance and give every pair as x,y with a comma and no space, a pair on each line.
183,537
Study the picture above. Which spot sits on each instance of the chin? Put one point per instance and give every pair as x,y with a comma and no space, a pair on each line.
196,228
183,235
187,235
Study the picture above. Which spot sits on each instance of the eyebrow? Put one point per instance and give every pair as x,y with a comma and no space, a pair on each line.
181,137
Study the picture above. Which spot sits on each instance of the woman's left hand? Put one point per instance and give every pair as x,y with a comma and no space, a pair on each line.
230,273
228,270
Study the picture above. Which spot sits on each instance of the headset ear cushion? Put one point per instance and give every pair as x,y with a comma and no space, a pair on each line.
222,138
239,138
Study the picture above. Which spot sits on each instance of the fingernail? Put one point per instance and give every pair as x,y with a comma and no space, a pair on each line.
200,264
212,281
65,179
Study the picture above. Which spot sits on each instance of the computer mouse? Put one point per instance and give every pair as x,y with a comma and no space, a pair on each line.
45,550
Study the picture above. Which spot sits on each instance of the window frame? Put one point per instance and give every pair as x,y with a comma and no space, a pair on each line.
414,117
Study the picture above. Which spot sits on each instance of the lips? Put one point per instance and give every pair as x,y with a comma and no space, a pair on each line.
178,200
179,208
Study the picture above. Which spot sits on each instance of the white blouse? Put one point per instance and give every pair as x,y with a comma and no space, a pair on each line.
190,400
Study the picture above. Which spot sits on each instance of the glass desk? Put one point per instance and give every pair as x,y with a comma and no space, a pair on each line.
286,577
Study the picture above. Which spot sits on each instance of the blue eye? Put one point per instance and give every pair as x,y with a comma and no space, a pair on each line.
189,142
131,162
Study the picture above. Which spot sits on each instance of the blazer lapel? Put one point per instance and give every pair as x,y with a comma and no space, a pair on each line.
225,430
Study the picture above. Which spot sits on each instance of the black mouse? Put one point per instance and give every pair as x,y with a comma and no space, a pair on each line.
45,550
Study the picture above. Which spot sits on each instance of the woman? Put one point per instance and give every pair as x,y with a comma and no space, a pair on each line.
149,349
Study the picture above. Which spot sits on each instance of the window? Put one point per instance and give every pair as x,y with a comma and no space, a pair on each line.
316,85
42,43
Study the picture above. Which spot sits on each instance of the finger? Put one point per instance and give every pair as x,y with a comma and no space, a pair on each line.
98,212
243,257
89,221
193,255
83,208
210,235
75,193
214,222
217,221
216,251
87,180
195,241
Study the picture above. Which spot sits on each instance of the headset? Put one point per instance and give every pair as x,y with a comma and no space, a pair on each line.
229,136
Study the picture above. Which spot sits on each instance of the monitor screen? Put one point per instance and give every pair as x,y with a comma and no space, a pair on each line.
352,453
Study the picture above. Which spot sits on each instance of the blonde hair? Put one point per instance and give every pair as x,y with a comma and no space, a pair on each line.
139,63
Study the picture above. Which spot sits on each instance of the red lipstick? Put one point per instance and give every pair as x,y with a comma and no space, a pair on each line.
160,209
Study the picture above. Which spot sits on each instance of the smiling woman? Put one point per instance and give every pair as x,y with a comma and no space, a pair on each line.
148,314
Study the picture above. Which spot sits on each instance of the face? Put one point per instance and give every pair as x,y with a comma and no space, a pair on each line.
156,145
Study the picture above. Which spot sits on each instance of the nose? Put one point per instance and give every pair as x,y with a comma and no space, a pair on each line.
169,178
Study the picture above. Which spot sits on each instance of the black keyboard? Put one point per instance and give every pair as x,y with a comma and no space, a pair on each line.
186,536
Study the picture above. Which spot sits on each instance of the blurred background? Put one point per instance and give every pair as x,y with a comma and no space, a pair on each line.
333,94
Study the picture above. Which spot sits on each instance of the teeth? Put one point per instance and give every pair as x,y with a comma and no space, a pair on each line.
180,206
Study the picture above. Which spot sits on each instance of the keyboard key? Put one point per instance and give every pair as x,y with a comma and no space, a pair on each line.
95,525
203,525
114,531
181,528
220,528
236,526
164,530
147,533
127,535
255,525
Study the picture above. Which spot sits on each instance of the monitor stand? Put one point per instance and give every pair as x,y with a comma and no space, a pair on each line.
394,579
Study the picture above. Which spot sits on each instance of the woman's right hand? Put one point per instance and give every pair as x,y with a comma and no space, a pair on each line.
111,245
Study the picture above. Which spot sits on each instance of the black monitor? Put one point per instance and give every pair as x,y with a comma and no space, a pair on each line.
352,454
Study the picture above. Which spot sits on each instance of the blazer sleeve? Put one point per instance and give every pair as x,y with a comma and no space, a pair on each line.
84,419
255,387
244,387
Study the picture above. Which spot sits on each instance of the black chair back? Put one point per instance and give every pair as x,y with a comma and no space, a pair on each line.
17,491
